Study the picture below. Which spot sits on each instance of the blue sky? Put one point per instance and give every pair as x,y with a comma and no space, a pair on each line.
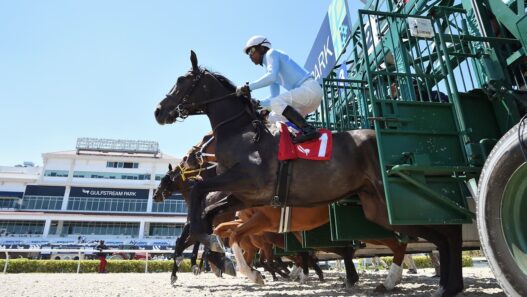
72,69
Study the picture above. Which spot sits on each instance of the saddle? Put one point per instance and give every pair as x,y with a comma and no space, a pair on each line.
316,149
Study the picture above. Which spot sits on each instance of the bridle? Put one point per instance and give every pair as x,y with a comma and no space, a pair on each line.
182,109
185,171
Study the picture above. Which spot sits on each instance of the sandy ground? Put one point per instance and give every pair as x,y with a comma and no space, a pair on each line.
478,282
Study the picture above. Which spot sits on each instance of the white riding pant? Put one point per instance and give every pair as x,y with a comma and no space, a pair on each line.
305,99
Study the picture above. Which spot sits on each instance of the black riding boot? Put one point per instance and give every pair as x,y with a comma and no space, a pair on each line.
308,132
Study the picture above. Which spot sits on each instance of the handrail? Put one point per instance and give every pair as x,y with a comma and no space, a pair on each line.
81,251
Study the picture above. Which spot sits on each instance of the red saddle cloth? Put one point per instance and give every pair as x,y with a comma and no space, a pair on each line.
315,149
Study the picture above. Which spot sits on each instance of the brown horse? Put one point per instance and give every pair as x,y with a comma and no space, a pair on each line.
258,220
247,166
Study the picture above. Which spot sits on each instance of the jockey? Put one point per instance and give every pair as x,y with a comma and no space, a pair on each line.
303,95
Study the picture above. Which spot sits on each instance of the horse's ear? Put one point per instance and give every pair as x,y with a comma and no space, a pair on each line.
169,167
194,60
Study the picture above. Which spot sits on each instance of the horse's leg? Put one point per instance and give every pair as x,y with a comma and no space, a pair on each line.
454,272
195,268
305,260
257,242
181,244
347,254
439,235
395,274
244,268
313,261
224,229
281,266
297,267
351,273
267,250
231,180
249,250
173,276
305,267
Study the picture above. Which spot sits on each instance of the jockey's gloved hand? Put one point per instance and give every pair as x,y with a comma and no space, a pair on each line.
243,90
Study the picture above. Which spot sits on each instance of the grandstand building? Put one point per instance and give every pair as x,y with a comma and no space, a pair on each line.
101,190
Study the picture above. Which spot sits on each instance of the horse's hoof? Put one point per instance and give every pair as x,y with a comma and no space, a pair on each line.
195,270
380,289
439,292
216,245
257,278
173,280
228,267
442,292
216,270
303,278
295,273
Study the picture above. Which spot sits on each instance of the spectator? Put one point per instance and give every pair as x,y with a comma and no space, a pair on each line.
102,257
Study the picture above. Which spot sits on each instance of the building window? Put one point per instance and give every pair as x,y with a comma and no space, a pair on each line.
171,206
111,175
107,204
56,173
122,164
100,228
22,227
165,229
34,202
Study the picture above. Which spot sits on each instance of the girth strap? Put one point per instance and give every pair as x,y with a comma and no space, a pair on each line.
282,184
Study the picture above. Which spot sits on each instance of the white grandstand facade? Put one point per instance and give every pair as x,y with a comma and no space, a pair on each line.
101,190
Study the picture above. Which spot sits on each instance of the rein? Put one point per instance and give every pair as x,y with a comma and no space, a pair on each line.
183,171
183,112
186,171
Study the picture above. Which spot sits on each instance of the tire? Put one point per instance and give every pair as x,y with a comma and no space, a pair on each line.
502,198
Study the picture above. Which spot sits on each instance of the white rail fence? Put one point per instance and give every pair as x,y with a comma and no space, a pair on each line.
80,252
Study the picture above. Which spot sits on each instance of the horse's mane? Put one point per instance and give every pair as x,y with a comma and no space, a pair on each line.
227,83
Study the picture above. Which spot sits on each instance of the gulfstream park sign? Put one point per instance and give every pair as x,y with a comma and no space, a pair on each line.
330,41
108,193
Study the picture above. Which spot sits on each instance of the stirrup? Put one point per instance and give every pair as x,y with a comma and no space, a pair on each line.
305,137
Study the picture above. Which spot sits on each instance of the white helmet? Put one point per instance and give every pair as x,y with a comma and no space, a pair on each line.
255,41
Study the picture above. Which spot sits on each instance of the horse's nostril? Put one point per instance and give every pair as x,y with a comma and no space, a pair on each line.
157,111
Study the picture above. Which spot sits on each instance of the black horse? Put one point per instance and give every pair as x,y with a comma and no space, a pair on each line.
246,154
180,179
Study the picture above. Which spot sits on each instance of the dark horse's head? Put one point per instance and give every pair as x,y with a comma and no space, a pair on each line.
175,180
167,185
191,93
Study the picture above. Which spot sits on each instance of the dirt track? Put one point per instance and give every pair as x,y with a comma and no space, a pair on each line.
478,282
